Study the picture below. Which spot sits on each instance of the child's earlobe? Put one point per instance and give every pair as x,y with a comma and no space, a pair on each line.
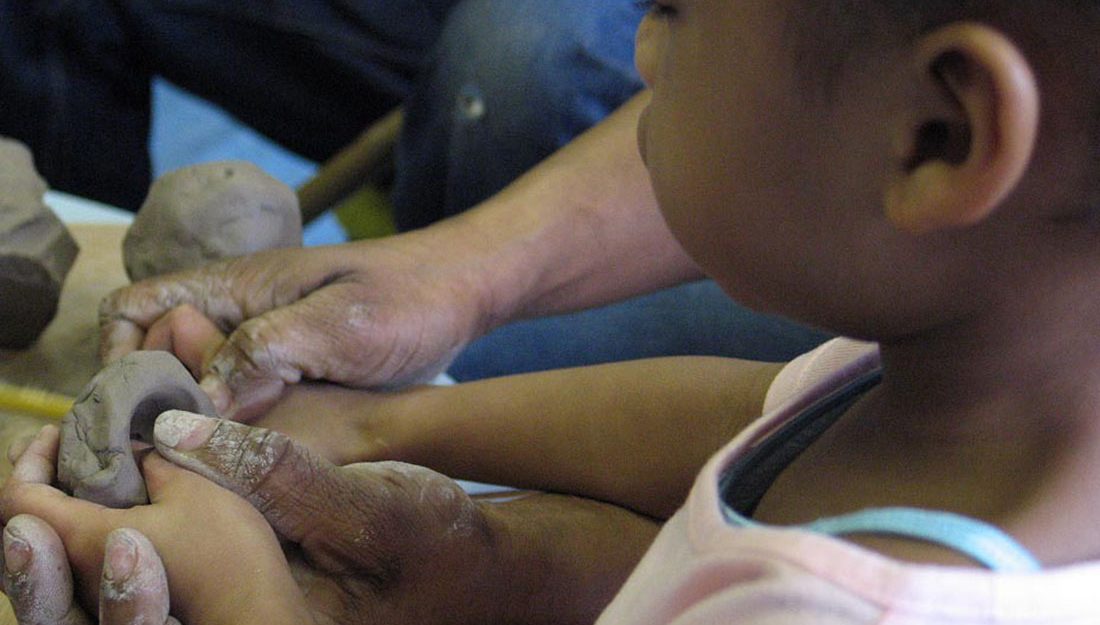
969,149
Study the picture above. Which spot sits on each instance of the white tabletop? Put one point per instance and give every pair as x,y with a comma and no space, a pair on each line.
76,210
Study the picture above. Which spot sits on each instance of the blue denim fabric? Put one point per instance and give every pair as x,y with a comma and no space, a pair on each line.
494,102
695,319
68,90
310,74
491,87
508,83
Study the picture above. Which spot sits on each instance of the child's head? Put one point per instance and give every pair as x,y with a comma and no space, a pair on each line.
875,166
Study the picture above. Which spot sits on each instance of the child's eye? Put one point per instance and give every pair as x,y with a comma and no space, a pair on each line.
657,9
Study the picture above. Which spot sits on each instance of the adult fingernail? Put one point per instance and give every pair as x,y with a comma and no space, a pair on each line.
17,553
183,431
120,557
218,392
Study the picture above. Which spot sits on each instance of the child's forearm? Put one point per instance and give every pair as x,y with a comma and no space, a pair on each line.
633,433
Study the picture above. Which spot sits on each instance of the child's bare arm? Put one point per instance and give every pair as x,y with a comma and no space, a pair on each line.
632,433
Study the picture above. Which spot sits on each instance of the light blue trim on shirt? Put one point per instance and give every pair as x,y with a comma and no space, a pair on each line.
984,543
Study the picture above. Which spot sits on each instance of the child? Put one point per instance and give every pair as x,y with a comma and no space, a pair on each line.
919,175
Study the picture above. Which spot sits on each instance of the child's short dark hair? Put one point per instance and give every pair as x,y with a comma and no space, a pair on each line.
834,30
1061,37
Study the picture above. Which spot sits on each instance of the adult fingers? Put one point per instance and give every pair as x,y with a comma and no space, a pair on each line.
327,335
373,519
227,292
127,313
134,586
284,481
324,319
39,583
287,325
37,577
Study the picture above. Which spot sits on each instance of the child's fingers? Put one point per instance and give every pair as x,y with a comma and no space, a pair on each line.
67,516
187,333
38,462
37,577
18,446
134,586
167,483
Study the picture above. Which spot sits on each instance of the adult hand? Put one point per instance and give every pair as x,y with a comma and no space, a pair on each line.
341,424
374,313
393,541
381,540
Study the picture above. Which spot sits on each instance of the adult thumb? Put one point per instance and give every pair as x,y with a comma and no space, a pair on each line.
307,338
283,480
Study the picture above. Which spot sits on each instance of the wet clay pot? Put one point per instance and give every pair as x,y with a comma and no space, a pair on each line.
121,404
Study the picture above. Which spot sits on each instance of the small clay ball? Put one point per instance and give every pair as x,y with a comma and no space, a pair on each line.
121,404
36,250
207,212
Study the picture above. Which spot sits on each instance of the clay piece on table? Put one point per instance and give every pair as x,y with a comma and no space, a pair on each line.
121,404
206,212
36,250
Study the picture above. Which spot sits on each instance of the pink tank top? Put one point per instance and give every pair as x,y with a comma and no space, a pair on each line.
703,569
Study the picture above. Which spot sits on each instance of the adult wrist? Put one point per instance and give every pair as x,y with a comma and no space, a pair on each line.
493,254
563,558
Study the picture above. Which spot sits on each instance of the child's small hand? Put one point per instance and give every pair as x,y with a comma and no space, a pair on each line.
208,538
188,334
392,540
342,425
359,538
194,339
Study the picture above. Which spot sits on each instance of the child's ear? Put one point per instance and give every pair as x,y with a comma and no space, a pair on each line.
974,131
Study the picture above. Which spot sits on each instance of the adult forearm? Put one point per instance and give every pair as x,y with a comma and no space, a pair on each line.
581,229
557,560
